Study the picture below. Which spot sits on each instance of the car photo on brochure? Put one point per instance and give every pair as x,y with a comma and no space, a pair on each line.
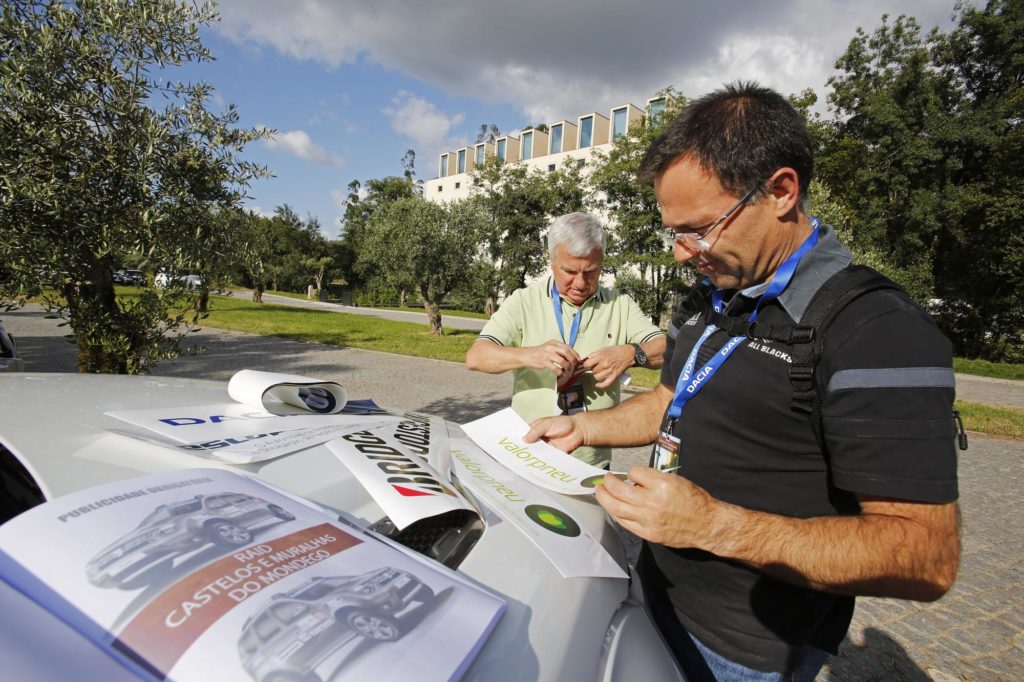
173,531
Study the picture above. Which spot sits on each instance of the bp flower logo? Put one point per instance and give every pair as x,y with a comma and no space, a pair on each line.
553,520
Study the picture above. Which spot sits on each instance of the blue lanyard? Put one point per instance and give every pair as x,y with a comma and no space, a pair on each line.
557,300
689,383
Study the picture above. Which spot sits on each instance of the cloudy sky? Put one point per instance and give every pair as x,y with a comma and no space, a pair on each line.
350,85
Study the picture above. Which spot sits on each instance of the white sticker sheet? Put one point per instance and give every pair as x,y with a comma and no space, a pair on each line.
238,434
391,464
501,436
286,393
546,522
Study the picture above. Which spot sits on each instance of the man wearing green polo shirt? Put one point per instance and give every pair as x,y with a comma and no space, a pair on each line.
570,361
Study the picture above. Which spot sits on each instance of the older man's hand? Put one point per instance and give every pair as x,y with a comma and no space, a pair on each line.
609,363
553,356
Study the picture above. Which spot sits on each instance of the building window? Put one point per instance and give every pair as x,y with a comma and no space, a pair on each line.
655,108
586,132
527,146
458,185
462,161
556,138
501,149
444,166
440,187
618,123
551,168
480,154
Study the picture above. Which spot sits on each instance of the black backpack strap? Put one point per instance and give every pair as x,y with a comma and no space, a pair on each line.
839,291
735,326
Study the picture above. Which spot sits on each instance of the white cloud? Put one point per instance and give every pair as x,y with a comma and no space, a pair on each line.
558,60
425,126
298,143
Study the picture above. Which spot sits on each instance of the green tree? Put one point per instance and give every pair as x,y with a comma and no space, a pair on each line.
979,268
644,268
362,204
90,169
925,149
430,246
519,203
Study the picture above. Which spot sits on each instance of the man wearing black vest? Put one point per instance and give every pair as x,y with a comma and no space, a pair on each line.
761,524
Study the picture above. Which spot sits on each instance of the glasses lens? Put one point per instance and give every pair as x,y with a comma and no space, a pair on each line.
689,240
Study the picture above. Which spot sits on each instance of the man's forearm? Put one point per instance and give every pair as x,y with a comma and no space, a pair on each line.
891,549
632,422
655,350
492,358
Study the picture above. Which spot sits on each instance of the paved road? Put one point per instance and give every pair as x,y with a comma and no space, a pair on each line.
450,321
976,632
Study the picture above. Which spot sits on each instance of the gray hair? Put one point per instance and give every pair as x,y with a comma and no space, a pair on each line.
581,233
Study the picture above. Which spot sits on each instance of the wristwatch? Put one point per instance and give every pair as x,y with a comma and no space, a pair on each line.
639,356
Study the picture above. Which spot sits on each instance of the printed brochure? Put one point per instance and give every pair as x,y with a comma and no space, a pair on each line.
206,574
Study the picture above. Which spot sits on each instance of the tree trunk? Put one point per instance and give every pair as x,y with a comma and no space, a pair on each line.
203,300
402,298
94,315
489,306
434,315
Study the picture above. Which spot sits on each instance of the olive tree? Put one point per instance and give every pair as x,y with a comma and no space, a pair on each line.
102,153
415,242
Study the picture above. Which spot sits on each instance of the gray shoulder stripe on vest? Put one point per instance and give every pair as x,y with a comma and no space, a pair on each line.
895,377
673,330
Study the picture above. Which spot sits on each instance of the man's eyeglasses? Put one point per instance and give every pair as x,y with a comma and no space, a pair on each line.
696,240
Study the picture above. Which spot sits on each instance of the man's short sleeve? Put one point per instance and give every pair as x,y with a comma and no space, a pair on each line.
639,328
887,388
505,327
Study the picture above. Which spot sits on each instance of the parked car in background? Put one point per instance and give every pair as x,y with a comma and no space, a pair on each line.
164,279
136,277
191,281
9,360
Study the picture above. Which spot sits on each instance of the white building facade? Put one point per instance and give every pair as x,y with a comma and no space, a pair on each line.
563,141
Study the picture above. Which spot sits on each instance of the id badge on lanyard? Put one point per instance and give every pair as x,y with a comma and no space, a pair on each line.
665,456
571,395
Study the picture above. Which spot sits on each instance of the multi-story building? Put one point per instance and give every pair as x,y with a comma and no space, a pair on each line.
546,150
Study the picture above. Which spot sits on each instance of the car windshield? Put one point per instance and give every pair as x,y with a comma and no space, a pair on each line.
289,612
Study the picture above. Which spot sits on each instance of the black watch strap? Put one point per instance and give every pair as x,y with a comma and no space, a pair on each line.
639,356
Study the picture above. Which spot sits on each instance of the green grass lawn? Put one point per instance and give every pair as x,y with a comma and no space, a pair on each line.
238,313
356,331
984,368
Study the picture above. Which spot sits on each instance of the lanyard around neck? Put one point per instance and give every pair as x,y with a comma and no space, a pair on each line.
574,331
690,383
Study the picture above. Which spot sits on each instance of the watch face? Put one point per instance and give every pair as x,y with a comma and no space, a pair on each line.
639,356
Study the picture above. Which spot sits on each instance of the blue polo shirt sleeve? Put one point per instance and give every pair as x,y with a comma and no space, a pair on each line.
887,388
